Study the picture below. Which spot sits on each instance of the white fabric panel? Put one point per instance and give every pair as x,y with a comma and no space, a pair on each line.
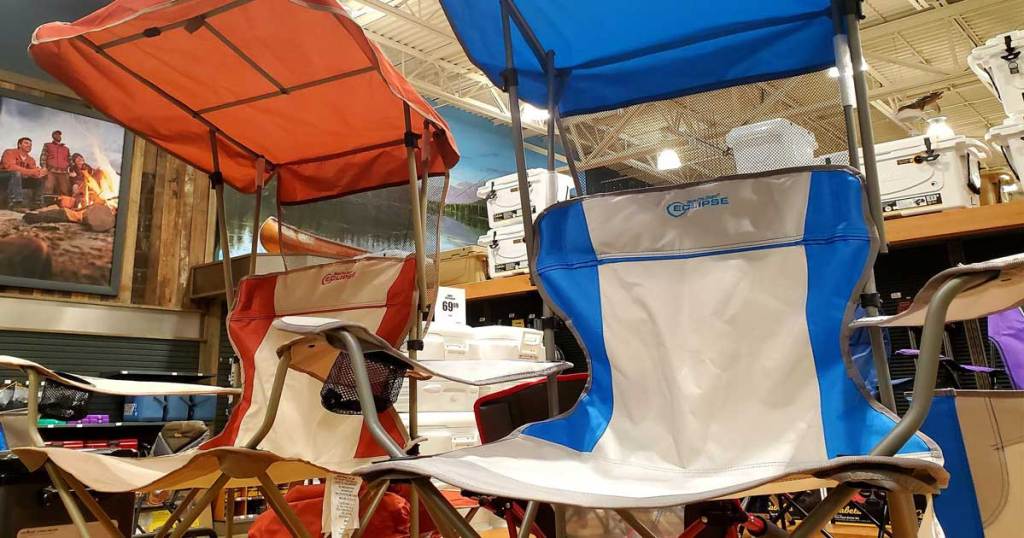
743,336
759,210
344,284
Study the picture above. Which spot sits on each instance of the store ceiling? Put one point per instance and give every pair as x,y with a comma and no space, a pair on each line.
913,47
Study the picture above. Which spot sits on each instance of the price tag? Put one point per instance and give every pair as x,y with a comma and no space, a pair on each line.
341,510
451,306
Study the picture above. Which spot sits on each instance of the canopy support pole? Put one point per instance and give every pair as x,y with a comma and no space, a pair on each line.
869,299
416,334
217,182
261,171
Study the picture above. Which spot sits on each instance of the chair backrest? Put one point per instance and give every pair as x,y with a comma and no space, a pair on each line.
1006,332
715,320
378,293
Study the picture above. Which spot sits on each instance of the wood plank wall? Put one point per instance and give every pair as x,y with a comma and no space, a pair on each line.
170,227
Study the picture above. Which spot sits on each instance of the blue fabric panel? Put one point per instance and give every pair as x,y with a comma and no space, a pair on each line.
957,505
567,267
611,55
837,246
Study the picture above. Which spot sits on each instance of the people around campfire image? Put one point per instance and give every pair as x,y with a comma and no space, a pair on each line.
62,187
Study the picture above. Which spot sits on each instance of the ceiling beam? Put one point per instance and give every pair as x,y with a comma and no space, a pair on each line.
380,5
919,18
920,66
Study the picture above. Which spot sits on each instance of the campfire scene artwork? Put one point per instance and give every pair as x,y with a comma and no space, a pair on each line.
60,176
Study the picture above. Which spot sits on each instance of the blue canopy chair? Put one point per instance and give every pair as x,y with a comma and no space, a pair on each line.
797,244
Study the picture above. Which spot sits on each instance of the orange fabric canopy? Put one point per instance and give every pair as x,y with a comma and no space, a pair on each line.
294,81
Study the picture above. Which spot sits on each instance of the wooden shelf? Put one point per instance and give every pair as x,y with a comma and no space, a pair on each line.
954,223
498,287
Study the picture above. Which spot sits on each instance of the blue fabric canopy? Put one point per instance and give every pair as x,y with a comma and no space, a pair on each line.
611,54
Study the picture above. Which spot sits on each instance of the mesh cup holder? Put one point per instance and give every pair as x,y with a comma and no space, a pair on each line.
62,402
386,375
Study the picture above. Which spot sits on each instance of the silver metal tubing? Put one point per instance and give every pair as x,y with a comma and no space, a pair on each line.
74,512
355,354
549,70
197,508
902,514
822,514
222,224
850,119
281,508
867,137
528,518
928,362
510,7
177,513
436,503
636,524
275,399
261,170
90,503
570,158
375,494
878,355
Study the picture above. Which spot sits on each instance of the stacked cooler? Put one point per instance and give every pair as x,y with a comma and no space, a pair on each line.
506,248
999,63
920,175
445,408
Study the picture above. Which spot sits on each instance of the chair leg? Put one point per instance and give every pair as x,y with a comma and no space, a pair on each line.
414,513
436,503
176,514
437,515
375,495
197,507
528,518
902,514
229,512
559,520
281,508
90,503
65,497
823,513
636,524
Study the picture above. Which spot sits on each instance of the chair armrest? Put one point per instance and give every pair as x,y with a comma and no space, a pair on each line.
927,364
1002,290
469,372
116,387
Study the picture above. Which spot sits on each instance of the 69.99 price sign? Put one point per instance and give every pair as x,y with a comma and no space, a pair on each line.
451,306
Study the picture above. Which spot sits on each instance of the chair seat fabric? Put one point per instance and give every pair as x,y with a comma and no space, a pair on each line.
192,469
524,467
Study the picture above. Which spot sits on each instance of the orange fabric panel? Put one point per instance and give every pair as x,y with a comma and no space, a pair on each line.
326,109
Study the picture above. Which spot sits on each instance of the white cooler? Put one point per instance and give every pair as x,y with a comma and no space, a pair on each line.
439,395
445,431
771,145
1000,72
446,341
504,342
911,182
1009,138
506,251
502,195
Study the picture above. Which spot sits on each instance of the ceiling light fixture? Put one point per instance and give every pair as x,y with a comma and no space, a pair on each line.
939,129
668,159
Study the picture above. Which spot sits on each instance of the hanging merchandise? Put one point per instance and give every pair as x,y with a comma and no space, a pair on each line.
506,252
999,65
771,145
502,195
919,175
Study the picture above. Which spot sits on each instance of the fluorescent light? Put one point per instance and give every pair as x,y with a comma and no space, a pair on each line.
668,159
533,114
938,129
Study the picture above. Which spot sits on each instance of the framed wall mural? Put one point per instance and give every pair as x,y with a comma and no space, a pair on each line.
64,171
